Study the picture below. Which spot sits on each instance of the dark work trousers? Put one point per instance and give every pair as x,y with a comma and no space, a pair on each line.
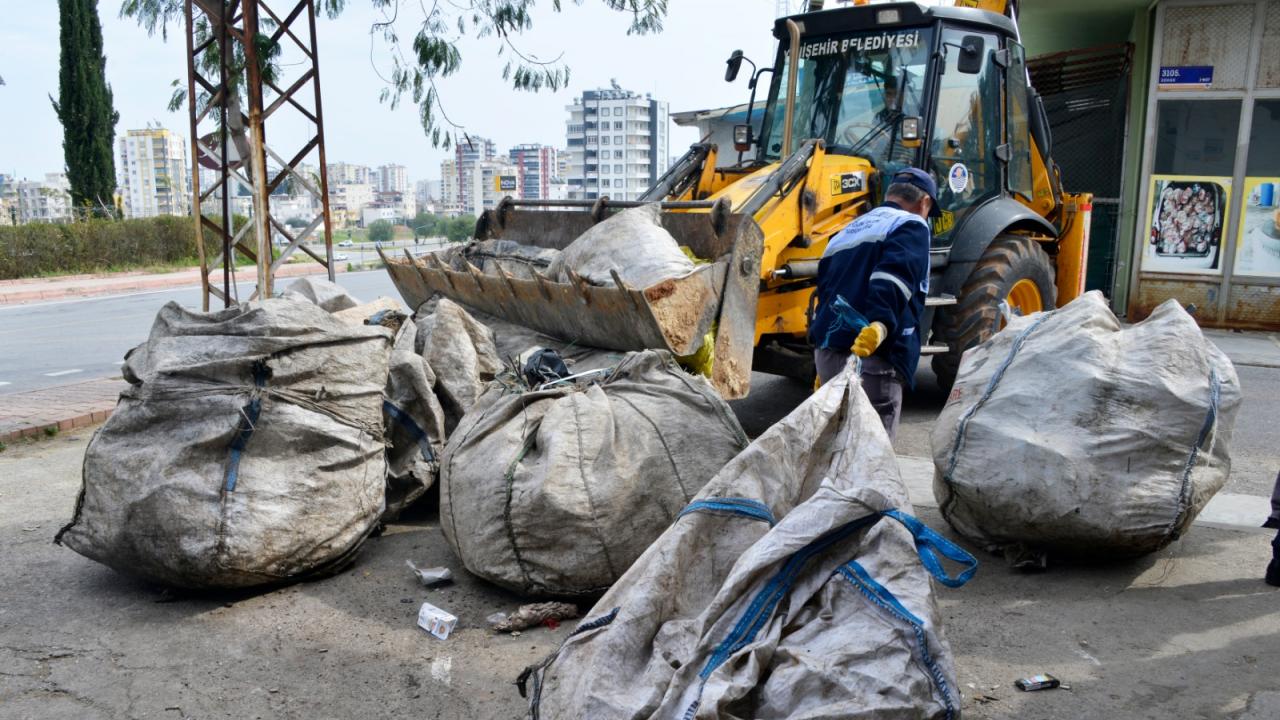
1275,504
880,381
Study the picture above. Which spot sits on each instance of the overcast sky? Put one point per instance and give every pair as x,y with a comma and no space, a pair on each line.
683,66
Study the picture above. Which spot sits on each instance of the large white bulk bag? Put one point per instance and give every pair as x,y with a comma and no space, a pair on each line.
1070,435
555,491
247,450
792,587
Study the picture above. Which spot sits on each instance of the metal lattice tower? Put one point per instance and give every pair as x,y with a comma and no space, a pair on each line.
225,41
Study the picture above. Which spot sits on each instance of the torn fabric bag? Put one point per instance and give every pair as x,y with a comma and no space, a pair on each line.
248,449
796,585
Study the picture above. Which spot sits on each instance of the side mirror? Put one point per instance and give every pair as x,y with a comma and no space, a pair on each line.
734,62
742,138
971,52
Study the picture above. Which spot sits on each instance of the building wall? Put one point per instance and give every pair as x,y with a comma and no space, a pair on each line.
1220,254
152,173
346,200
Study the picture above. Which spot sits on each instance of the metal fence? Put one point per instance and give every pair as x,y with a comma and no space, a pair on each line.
1086,94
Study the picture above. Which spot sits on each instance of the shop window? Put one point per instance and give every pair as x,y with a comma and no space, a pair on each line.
1258,247
1196,137
1215,36
1264,139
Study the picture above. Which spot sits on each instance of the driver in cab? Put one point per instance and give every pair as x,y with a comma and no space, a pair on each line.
872,282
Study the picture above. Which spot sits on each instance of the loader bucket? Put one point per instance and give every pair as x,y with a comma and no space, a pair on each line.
674,314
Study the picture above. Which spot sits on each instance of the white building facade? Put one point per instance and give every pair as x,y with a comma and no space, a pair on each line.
152,173
28,201
347,174
392,178
618,144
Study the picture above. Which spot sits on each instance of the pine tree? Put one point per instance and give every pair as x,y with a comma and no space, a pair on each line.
84,107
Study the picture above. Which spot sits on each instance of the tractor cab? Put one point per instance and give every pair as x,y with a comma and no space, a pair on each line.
943,89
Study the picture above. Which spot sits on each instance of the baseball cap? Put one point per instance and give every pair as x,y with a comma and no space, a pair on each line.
922,180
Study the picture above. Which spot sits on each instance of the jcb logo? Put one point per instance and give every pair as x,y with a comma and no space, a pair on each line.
847,183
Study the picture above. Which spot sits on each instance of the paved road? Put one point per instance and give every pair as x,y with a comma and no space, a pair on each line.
56,343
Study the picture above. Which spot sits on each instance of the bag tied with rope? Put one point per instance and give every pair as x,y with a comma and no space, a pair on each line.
796,585
248,449
556,490
1068,435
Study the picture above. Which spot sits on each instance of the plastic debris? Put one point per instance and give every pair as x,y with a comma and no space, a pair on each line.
533,614
431,576
436,621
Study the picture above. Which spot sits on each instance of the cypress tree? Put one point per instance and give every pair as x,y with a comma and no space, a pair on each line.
84,107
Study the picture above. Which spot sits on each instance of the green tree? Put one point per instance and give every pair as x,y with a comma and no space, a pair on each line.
84,107
459,229
426,224
432,52
381,231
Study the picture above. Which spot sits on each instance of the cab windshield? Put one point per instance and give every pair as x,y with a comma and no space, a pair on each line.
852,91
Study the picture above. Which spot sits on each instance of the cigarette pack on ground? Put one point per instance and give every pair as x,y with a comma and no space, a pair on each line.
436,621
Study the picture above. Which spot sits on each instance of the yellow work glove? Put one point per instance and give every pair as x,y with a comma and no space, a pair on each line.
869,339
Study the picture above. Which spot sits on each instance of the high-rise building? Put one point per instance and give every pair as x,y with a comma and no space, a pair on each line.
536,170
618,144
153,174
469,154
450,193
391,178
348,174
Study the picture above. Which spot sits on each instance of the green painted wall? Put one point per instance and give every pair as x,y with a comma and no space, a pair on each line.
1050,26
1141,36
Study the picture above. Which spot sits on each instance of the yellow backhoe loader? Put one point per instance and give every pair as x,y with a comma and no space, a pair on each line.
854,94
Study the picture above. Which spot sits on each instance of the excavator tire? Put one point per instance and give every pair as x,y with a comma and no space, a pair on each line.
1013,269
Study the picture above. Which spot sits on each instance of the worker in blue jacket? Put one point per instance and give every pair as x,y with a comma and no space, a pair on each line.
872,282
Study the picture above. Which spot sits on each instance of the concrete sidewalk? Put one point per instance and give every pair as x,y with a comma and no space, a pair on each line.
62,408
68,286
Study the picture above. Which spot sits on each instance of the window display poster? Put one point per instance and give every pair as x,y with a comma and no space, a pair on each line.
1258,246
1186,223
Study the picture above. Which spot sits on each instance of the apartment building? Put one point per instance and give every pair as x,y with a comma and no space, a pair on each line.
618,143
26,201
391,179
348,174
536,168
152,173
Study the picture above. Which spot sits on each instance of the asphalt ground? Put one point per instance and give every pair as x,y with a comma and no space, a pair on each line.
1188,632
67,341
